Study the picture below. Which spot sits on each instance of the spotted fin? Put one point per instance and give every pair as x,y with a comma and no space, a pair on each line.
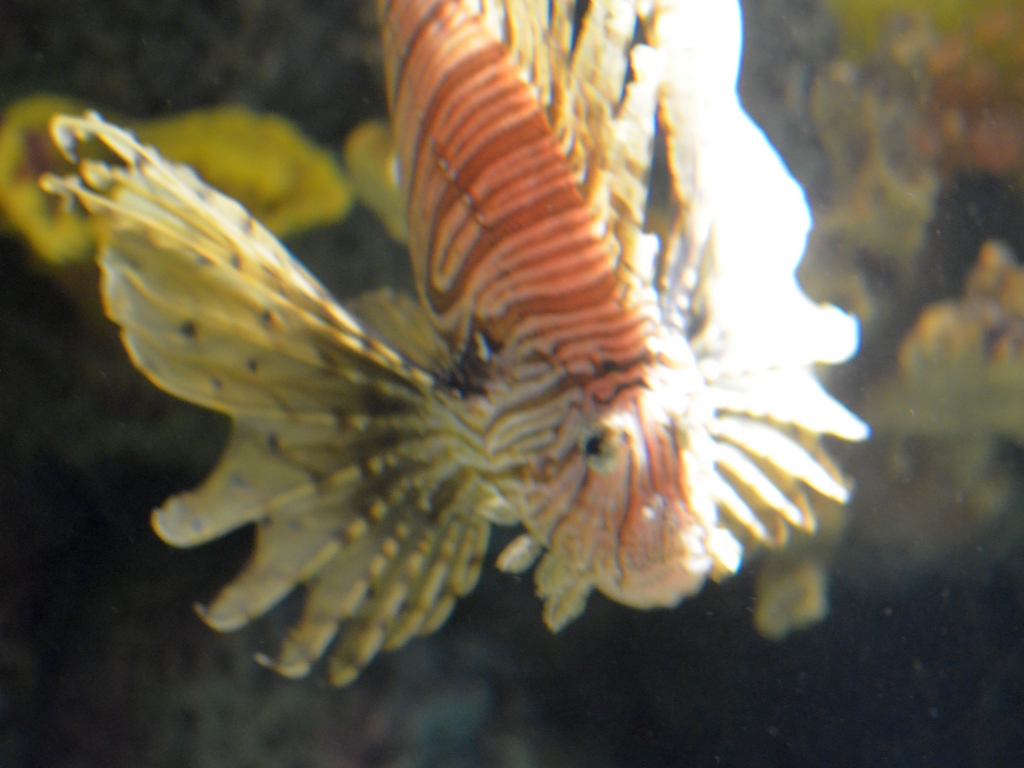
339,453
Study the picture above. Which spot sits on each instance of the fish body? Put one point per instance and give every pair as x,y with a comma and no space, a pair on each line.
563,370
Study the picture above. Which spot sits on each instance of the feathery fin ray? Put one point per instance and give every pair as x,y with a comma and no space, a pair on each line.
324,456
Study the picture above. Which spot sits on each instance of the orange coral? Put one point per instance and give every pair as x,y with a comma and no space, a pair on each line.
978,92
973,55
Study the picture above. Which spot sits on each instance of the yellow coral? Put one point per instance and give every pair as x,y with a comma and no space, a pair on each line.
26,152
261,160
790,598
370,159
792,584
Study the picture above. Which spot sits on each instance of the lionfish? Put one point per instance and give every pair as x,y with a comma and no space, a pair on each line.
631,384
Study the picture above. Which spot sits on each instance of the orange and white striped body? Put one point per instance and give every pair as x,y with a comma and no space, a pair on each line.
509,258
563,370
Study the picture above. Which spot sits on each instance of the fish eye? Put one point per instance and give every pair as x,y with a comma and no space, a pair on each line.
598,444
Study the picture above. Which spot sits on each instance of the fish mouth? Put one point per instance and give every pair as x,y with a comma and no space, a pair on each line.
664,587
663,584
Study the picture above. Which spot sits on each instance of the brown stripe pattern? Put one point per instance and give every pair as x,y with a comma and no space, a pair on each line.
504,245
501,239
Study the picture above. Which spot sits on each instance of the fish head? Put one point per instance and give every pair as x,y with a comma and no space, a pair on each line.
637,511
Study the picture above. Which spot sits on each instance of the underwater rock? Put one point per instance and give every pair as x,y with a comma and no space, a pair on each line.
897,114
961,367
865,252
937,482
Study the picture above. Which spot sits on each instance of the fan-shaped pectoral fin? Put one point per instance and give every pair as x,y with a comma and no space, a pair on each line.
401,579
